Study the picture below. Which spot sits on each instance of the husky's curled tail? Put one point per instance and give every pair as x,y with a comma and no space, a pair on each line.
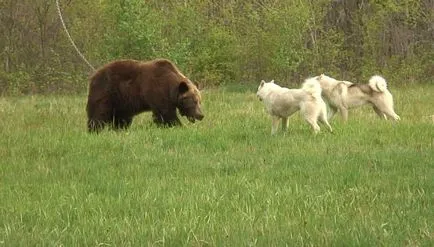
378,84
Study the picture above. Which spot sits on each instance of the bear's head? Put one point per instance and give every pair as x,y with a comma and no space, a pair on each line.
189,100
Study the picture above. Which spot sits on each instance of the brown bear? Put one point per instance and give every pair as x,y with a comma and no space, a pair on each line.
124,88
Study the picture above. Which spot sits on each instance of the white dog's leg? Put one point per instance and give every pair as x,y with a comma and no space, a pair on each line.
328,125
323,119
314,125
285,123
274,124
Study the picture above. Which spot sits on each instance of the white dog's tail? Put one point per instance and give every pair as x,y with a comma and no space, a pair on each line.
378,83
312,86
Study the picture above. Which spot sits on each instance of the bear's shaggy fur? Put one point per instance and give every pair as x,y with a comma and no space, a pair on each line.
122,89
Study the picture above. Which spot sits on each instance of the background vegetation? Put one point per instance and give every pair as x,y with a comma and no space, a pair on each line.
217,42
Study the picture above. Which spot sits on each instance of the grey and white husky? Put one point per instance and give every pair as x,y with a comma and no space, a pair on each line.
344,95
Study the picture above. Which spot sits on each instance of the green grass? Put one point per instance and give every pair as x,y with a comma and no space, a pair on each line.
220,182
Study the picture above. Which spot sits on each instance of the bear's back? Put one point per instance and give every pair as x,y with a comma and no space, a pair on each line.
115,72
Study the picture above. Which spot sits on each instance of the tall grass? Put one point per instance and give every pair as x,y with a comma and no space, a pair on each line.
224,181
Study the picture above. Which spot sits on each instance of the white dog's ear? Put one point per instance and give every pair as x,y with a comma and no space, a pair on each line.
262,83
272,81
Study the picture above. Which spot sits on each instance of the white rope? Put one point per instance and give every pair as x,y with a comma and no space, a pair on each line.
69,36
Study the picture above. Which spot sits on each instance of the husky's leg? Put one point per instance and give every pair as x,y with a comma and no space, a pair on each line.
285,123
274,124
391,113
344,113
385,105
395,116
379,113
331,112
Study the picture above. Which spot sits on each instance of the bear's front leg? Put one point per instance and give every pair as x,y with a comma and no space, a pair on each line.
99,113
95,126
96,122
167,119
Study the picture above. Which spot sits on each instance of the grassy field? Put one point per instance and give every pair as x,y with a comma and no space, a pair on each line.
220,182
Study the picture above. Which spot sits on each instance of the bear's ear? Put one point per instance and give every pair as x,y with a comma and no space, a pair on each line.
182,88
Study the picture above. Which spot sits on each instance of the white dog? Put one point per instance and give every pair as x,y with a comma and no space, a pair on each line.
343,95
282,102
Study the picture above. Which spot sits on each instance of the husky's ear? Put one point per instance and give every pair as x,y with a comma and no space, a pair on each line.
262,83
272,81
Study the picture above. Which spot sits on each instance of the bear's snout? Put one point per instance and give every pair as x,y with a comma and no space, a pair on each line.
197,115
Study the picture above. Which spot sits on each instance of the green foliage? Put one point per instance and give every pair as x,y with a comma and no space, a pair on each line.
285,37
14,83
214,60
217,42
135,31
224,181
45,80
329,53
390,40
